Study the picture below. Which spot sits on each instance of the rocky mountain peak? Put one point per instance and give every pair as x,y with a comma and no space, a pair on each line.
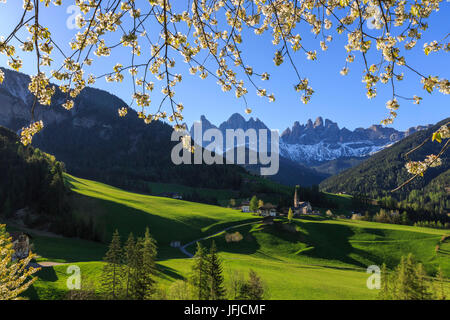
318,123
329,123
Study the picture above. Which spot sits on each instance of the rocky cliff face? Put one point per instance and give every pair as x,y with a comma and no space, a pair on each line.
16,102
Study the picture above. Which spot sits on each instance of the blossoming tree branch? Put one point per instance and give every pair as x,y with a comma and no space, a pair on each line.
208,36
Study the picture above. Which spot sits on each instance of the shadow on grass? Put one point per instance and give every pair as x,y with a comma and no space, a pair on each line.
315,240
168,273
248,245
47,274
331,241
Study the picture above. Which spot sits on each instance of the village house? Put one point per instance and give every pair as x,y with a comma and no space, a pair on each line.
21,244
356,216
175,244
267,210
245,206
173,195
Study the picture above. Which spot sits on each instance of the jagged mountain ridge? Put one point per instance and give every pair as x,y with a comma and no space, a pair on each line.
384,171
318,141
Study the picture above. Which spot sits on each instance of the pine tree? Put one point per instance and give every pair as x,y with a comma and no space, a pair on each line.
384,293
129,253
143,268
409,280
290,214
236,281
136,290
149,253
405,219
112,271
253,289
199,277
405,282
215,274
440,290
254,204
423,289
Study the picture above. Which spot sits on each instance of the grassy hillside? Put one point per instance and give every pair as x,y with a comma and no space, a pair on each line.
168,219
338,243
311,258
291,269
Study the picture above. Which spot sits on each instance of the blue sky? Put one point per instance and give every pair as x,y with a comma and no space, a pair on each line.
341,99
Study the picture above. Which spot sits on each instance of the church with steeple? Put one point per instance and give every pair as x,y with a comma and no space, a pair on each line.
301,207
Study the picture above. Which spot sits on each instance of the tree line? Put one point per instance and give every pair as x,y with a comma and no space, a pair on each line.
404,218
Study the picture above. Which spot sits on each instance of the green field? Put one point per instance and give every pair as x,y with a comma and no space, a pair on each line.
311,258
168,219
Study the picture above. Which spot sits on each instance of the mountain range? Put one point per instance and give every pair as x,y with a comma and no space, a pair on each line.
93,142
385,170
320,144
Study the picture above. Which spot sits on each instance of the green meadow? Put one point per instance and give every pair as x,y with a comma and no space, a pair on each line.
168,219
309,258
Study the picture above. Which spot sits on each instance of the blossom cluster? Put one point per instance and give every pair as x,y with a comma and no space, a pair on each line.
210,37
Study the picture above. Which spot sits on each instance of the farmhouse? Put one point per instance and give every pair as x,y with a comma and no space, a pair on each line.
267,210
21,244
245,206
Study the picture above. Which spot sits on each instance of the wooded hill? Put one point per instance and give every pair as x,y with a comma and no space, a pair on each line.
385,170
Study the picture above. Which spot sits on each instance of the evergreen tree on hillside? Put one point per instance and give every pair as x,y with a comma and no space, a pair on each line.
405,219
253,289
111,279
423,288
439,285
129,257
407,285
384,293
408,281
143,268
290,214
149,253
254,204
136,288
199,276
215,274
